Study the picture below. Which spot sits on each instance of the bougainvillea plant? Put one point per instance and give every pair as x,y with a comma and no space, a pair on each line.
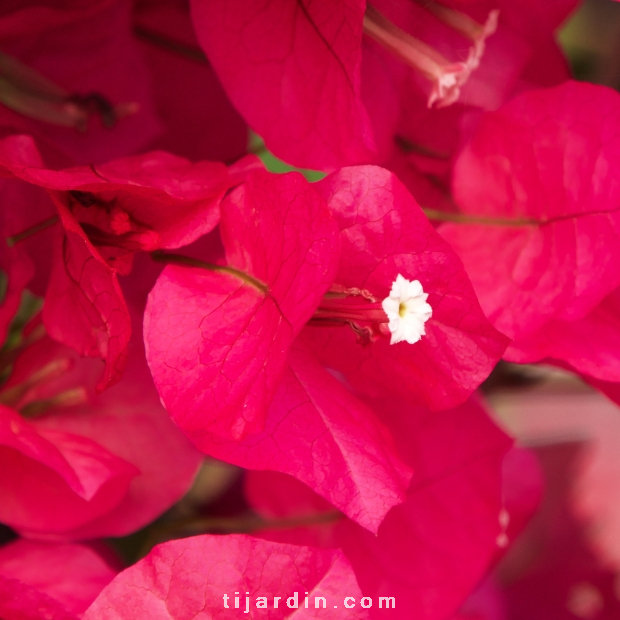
266,267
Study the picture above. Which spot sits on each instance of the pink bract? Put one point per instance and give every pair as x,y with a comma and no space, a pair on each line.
323,95
129,451
548,164
320,433
84,306
54,481
188,579
431,550
435,547
146,202
385,233
293,71
216,340
83,574
590,346
220,342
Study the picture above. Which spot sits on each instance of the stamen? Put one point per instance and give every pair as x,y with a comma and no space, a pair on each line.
446,77
338,310
465,25
338,291
364,316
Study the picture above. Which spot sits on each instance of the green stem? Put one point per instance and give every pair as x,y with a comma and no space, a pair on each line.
68,398
186,261
241,525
463,218
33,230
192,526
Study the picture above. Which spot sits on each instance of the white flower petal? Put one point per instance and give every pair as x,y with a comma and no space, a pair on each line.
407,310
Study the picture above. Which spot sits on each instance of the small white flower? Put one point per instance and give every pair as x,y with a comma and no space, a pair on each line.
407,310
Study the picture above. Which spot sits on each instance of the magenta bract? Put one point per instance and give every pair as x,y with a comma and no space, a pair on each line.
293,71
590,345
317,431
323,90
431,550
103,467
38,589
217,341
151,201
55,481
189,578
220,339
384,233
528,163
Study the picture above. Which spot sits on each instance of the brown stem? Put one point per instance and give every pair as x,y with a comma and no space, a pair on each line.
170,45
408,146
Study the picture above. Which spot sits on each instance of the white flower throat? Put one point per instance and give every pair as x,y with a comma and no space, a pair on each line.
407,310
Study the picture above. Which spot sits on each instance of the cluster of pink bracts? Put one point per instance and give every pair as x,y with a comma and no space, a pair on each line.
242,314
